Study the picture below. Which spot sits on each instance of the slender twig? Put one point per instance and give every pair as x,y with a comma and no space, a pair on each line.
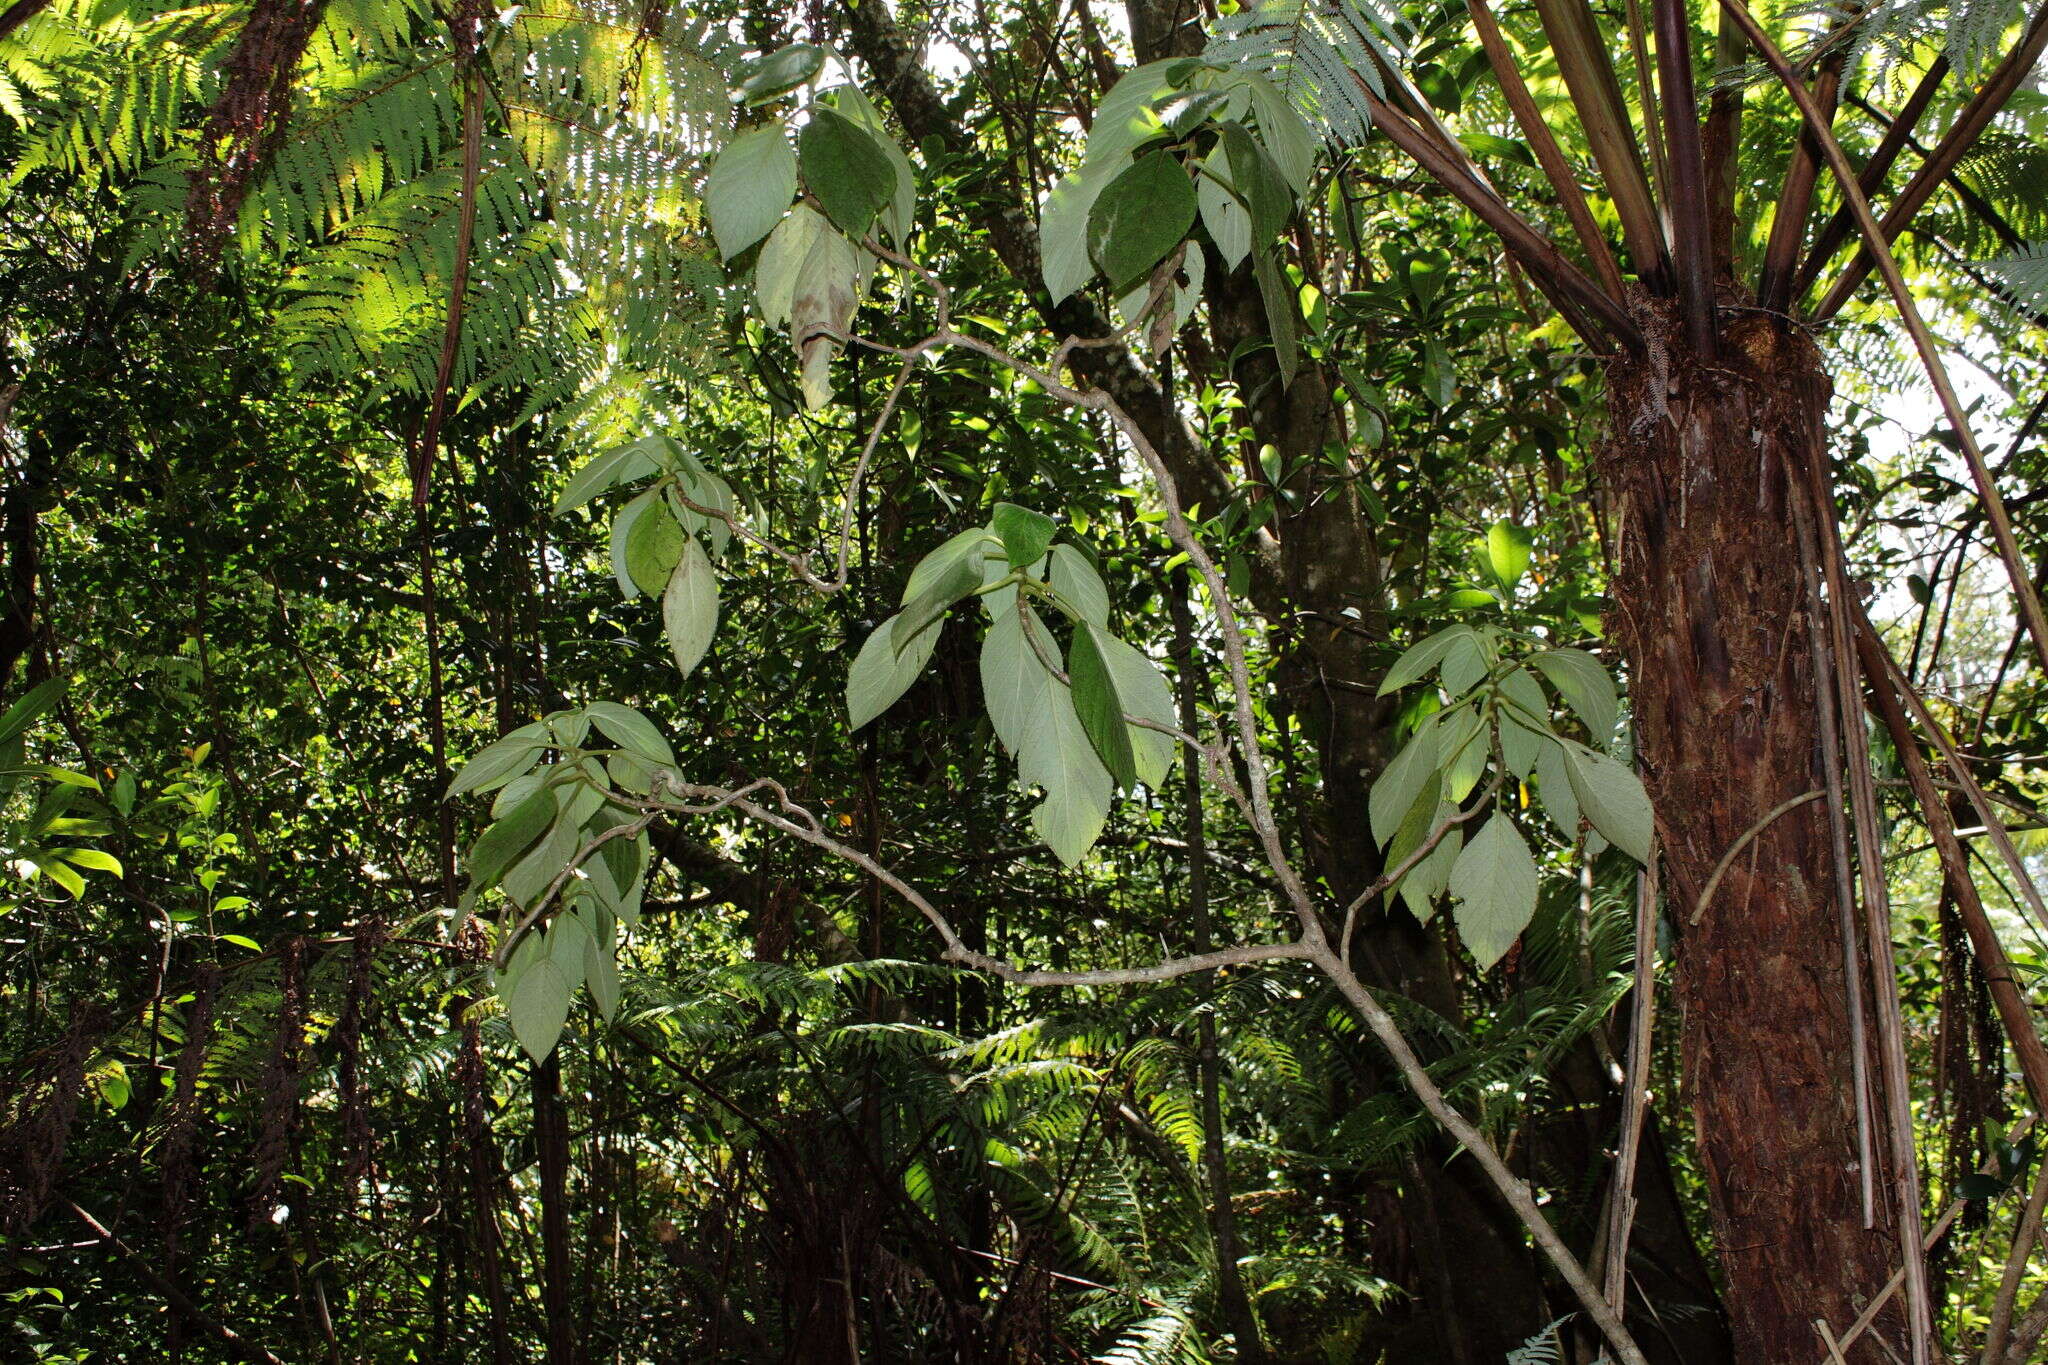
1743,841
1635,1101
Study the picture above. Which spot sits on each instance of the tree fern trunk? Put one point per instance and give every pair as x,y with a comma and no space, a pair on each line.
1702,467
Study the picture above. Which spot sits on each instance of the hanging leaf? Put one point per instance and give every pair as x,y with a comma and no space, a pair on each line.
1279,301
1612,798
1554,787
537,1001
601,965
689,607
1258,183
750,187
1394,793
1229,222
1100,709
1063,228
960,579
509,837
882,672
1462,750
969,545
622,464
1143,691
781,262
1583,683
1034,717
1495,884
654,545
846,170
1140,216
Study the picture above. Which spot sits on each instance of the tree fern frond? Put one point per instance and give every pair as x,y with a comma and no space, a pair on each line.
1316,51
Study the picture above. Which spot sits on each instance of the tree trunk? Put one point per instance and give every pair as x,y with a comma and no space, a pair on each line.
1701,470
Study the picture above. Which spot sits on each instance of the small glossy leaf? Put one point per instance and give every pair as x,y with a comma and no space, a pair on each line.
32,704
750,187
1495,883
846,169
881,672
1025,534
689,607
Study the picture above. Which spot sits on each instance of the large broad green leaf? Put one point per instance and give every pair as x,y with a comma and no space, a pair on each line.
846,169
601,964
1554,789
1494,881
961,578
689,607
1612,798
501,845
1063,228
781,262
1394,793
902,206
1280,311
1015,684
1424,882
969,545
1283,132
622,536
1420,658
631,730
1025,534
1583,683
1229,221
1507,552
750,187
1464,665
1142,689
1034,717
1078,789
654,545
1258,183
622,464
498,763
1100,708
569,947
881,672
537,1002
1462,750
1127,116
781,72
1074,578
1139,217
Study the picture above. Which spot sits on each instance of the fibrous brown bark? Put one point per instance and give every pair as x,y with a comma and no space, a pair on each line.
1702,470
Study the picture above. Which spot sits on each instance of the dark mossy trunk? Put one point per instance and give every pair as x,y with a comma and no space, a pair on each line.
1701,473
